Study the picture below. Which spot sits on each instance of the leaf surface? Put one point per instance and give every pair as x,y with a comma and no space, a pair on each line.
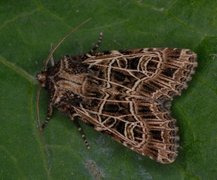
28,29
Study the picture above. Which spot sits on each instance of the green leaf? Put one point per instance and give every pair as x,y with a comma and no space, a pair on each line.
27,30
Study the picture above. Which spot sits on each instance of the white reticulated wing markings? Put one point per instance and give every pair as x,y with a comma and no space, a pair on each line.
126,94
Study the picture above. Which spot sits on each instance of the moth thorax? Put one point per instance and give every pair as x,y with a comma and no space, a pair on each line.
71,83
41,77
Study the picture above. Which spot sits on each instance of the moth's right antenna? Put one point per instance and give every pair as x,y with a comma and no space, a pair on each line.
61,41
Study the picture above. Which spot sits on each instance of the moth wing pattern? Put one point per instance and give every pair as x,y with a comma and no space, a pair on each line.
128,94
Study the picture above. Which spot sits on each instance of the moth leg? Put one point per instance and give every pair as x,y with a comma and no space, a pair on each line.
51,58
81,131
48,116
97,44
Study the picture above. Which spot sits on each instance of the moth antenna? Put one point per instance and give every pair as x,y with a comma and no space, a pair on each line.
37,106
61,41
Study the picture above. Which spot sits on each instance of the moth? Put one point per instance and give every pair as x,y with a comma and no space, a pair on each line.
126,94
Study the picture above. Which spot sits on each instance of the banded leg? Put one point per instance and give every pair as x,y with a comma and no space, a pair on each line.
97,44
48,116
81,131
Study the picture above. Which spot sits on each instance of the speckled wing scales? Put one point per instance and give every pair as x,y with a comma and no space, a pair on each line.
127,94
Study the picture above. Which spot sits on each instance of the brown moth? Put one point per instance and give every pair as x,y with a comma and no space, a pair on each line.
126,94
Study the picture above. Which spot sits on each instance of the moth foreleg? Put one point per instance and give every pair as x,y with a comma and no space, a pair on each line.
97,44
48,116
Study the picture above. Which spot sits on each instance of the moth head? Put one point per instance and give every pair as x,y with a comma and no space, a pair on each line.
42,78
